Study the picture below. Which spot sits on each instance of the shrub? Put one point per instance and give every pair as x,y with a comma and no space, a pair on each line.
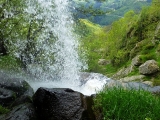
118,103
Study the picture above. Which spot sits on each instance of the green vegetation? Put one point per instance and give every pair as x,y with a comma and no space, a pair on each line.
10,63
132,35
93,42
122,104
3,110
19,32
104,12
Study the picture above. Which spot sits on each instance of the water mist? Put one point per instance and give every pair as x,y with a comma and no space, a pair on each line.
54,60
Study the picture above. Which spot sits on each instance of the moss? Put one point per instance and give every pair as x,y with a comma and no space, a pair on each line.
156,82
3,110
158,48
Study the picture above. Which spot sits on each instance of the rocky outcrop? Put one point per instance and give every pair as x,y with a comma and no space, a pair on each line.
149,67
62,104
150,83
132,78
6,97
21,112
16,95
123,72
13,90
136,61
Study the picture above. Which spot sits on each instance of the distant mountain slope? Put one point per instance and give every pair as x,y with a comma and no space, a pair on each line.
104,12
114,50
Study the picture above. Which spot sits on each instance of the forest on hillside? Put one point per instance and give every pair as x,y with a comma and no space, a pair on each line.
104,12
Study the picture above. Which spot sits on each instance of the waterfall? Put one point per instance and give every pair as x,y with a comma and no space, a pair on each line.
67,60
55,54
50,51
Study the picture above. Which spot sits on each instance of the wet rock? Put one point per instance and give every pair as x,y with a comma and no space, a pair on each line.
149,67
21,112
85,77
17,85
6,97
62,104
21,100
12,89
97,111
137,86
156,90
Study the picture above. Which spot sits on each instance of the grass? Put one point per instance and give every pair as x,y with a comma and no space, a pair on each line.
110,70
118,103
134,72
90,25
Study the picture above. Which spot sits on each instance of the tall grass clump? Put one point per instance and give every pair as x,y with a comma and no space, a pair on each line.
118,103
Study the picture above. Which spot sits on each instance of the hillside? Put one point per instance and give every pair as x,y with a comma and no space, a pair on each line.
104,12
131,36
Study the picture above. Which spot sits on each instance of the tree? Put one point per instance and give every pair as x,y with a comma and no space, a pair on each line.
19,29
10,19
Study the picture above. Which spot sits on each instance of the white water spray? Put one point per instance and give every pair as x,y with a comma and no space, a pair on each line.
67,60
57,23
55,59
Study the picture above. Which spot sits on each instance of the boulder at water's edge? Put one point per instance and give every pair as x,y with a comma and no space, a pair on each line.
62,104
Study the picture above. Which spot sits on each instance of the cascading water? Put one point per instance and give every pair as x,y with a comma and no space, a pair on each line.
54,59
57,38
67,60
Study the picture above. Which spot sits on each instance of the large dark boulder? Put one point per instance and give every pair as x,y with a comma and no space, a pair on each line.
62,104
6,97
21,112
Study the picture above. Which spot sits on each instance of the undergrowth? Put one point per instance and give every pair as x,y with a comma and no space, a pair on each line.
118,103
10,63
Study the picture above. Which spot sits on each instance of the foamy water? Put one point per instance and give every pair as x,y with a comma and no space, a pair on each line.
93,83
